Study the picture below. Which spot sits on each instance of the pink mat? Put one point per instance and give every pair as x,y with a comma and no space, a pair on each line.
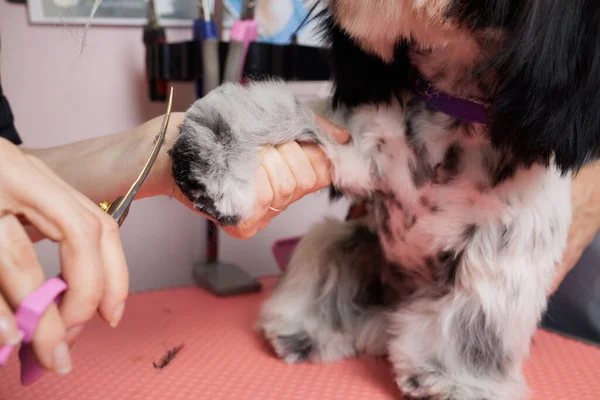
224,359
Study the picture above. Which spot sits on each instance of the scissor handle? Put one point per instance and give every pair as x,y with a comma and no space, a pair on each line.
112,209
27,317
210,62
243,33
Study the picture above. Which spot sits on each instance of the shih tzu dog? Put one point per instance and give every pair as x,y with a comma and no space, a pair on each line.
468,120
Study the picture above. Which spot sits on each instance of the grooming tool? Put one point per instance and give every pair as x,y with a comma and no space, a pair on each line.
154,35
119,208
34,306
210,51
198,35
243,32
219,278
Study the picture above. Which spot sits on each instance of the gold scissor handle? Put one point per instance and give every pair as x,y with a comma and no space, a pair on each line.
119,208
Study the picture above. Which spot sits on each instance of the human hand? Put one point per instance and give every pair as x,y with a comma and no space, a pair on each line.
35,202
585,200
287,173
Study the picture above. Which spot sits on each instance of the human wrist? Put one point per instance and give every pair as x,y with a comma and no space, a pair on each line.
586,193
159,181
585,221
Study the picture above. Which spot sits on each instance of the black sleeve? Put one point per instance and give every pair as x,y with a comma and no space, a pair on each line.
7,126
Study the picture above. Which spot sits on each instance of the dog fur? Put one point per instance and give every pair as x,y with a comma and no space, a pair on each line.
448,273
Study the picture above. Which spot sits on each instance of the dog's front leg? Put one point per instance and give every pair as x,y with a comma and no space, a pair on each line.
470,343
216,156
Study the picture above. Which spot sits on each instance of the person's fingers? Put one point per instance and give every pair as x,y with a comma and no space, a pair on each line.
264,198
281,178
300,167
79,244
310,168
321,165
9,332
21,274
302,171
339,134
114,265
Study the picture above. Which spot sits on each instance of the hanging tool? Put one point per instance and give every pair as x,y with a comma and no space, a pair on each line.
31,310
220,278
198,36
210,50
243,32
154,36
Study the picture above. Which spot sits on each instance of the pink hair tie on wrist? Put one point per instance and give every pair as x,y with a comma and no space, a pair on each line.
27,317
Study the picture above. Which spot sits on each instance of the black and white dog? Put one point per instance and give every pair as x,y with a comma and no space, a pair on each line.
468,120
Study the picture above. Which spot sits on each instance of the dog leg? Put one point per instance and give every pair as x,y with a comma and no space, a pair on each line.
216,155
330,303
470,343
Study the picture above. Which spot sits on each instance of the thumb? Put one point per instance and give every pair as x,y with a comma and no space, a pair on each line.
340,135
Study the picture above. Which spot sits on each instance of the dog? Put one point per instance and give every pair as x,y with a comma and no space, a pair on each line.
469,119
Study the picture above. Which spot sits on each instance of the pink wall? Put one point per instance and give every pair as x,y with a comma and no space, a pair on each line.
58,97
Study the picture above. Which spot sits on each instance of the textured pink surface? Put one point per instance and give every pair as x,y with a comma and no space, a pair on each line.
224,359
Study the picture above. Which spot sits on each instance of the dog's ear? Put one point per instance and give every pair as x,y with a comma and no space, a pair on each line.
547,104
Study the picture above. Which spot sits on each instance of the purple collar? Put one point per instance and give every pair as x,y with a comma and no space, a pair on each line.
459,108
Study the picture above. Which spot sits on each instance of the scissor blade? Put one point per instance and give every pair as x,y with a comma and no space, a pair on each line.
121,208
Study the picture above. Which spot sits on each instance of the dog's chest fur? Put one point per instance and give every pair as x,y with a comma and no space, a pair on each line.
443,190
444,193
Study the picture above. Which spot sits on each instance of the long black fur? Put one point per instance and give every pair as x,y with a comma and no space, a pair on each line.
549,96
549,77
359,77
546,102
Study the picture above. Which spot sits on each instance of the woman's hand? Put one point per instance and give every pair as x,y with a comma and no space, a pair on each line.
585,199
35,202
288,172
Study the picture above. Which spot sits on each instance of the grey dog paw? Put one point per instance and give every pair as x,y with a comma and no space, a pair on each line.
212,167
216,156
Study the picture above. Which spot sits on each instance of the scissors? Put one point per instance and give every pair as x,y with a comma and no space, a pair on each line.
34,306
154,35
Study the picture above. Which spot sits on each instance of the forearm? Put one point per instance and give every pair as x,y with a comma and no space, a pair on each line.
105,167
585,220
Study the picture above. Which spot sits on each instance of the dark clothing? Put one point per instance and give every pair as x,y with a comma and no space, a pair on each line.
7,126
575,308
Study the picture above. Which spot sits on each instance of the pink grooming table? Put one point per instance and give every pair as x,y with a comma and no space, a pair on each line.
224,358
